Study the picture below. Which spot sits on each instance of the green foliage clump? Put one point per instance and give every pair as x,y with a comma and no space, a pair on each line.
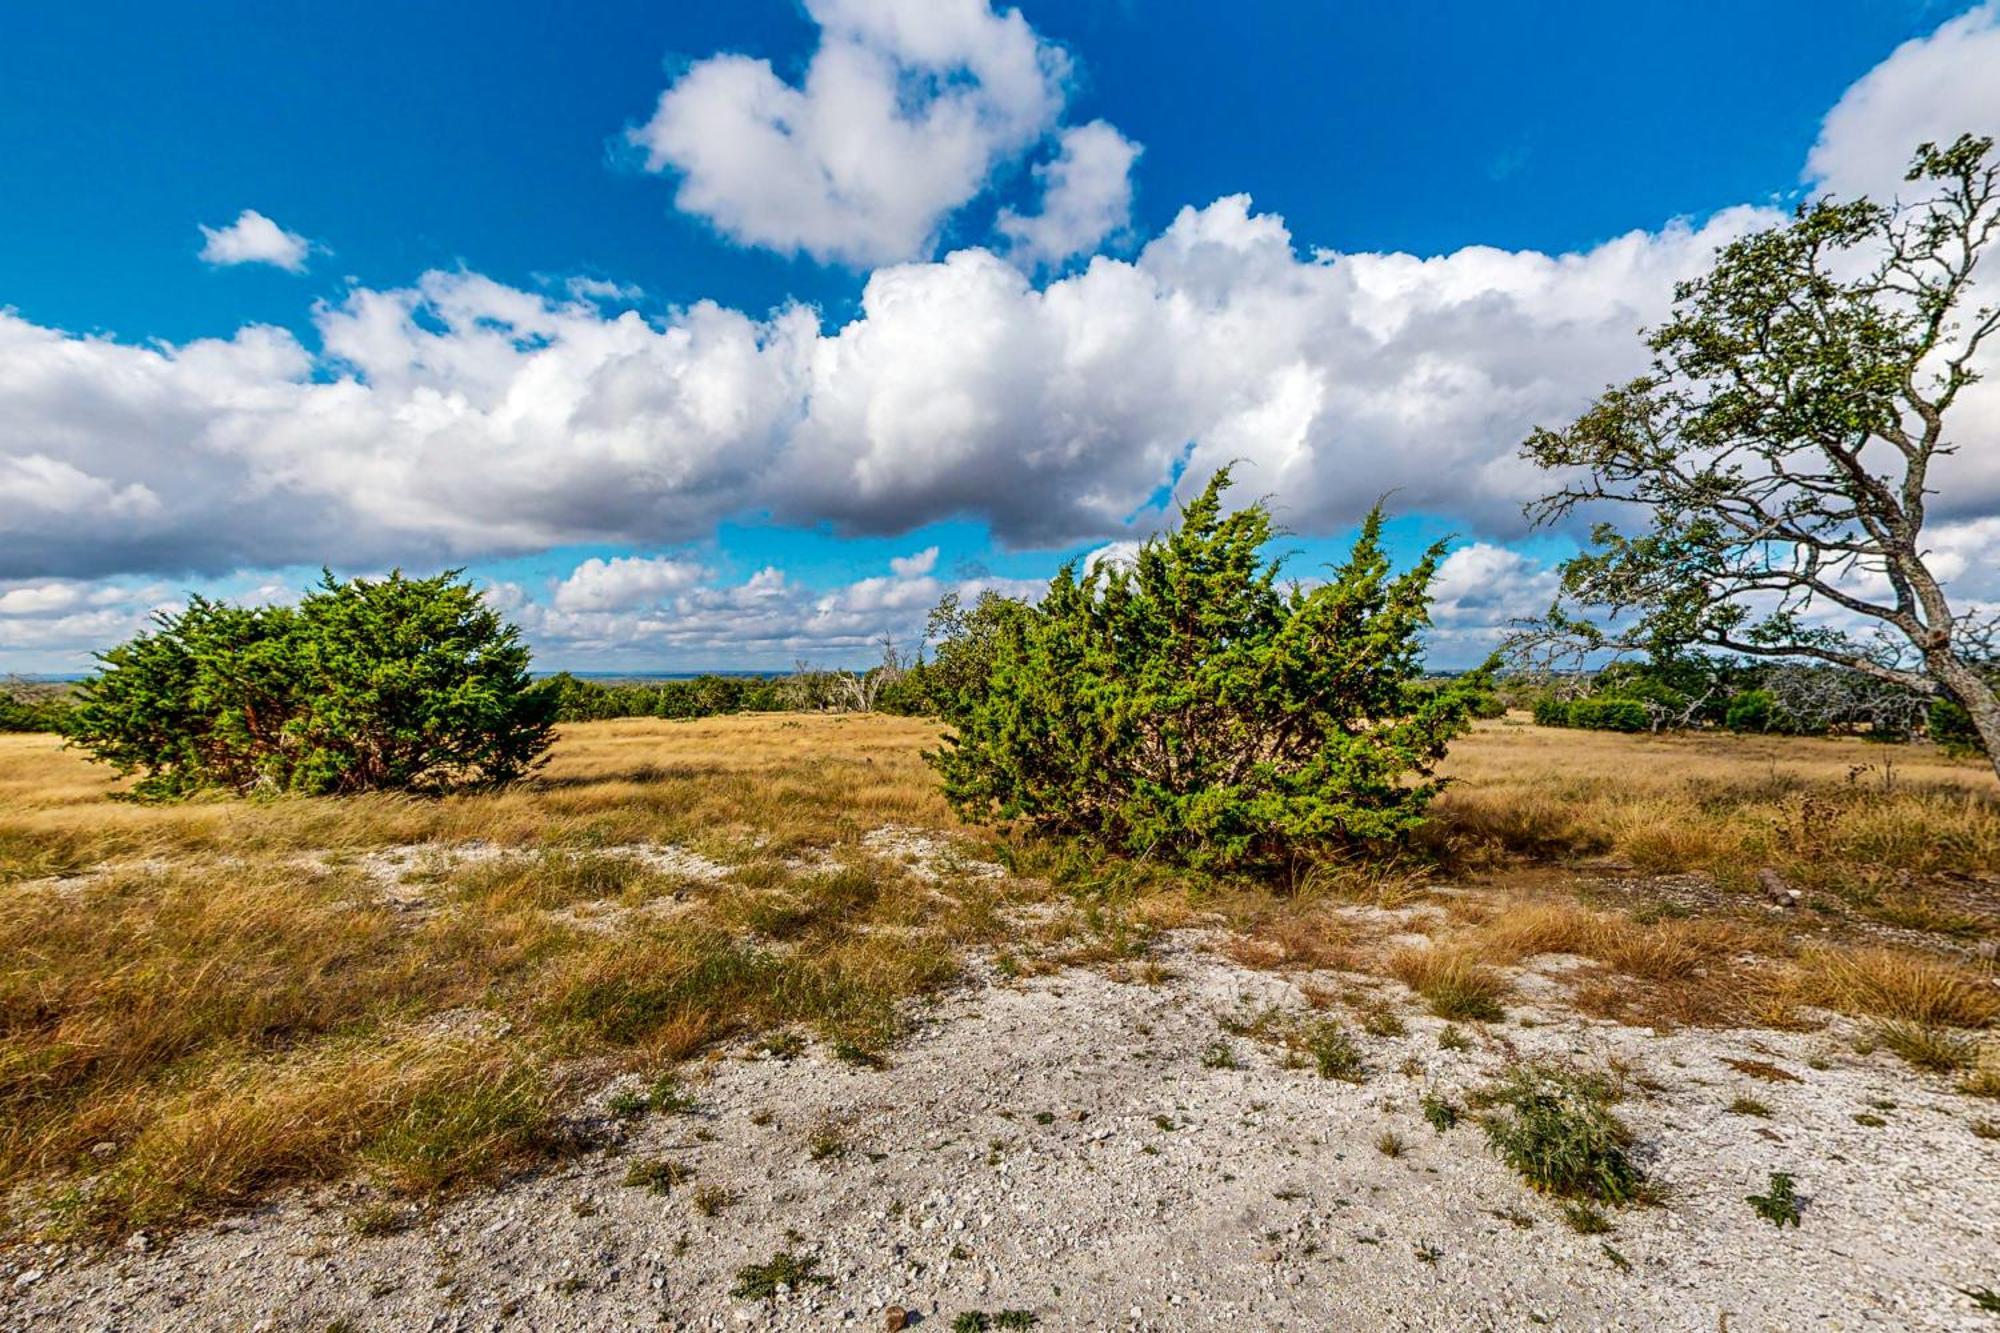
1779,1204
579,700
1439,1112
1752,710
1559,1132
32,706
1551,711
368,685
967,640
783,1271
1609,713
1951,728
1191,708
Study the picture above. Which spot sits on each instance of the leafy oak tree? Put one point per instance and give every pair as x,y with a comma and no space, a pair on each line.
1193,708
367,685
1782,451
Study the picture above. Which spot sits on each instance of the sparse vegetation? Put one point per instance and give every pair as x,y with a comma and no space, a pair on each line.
658,1174
979,1321
1333,1052
1454,981
1556,1128
709,1200
1440,1113
783,1271
1585,1219
1778,1204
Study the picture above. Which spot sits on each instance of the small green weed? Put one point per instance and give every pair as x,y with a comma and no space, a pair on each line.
1561,1135
657,1174
783,1271
1439,1112
1333,1052
1585,1220
1778,1205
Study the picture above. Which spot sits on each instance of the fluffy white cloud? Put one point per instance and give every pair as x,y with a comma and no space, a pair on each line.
767,619
255,239
625,581
1086,196
459,417
1931,88
1480,591
57,624
905,110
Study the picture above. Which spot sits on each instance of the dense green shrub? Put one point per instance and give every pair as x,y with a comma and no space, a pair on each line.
1951,727
389,684
1752,710
1601,713
1191,708
1484,704
1551,711
1480,701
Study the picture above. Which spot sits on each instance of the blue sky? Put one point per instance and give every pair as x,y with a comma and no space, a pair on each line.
726,478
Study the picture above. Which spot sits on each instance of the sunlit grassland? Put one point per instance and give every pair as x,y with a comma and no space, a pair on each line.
202,1002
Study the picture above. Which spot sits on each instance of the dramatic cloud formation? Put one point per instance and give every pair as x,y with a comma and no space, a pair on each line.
255,239
905,111
460,418
1086,196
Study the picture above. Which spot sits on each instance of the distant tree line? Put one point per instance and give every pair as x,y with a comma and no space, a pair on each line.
1779,699
33,705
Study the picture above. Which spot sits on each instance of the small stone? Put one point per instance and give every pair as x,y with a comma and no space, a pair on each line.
1270,1254
29,1278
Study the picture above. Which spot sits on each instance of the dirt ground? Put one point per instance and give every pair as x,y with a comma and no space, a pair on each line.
1080,1149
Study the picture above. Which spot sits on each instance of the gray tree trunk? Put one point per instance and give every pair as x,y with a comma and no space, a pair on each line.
1977,697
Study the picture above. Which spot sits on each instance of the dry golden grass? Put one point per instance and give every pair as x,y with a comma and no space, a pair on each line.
1454,980
229,1001
205,1001
1821,811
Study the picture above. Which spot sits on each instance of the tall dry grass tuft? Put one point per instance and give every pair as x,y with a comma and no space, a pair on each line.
1453,979
1899,986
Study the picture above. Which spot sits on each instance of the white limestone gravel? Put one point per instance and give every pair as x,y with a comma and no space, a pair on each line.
1059,1145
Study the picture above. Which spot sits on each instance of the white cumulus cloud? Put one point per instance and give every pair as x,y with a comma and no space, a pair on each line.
1931,88
255,239
625,581
904,112
1086,196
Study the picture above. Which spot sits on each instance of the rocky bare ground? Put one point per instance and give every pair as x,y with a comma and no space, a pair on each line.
1078,1147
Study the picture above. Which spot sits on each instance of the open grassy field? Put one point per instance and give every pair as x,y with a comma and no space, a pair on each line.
202,1003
